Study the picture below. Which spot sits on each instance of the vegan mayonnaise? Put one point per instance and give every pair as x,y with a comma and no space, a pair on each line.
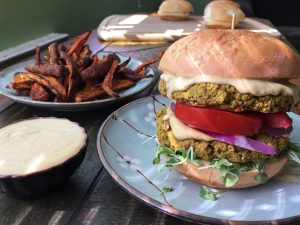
251,86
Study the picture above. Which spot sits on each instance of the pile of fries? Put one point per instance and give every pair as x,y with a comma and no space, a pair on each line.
75,75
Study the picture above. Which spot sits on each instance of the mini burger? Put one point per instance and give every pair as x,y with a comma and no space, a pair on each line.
219,14
227,125
175,10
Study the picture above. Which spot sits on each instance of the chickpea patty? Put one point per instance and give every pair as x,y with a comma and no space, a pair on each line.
224,96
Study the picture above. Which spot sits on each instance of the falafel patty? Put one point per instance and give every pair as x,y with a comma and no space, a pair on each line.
224,96
209,150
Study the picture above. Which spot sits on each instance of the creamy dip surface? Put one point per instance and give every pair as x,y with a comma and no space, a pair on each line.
37,144
251,86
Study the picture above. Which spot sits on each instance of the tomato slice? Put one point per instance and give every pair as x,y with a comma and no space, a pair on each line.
219,121
278,120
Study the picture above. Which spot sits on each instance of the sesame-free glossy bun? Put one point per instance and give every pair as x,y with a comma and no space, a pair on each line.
219,14
231,53
211,177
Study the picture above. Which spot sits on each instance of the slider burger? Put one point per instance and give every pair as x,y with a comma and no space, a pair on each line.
227,126
175,10
219,14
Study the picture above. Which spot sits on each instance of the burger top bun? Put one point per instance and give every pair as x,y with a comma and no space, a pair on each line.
212,178
175,9
220,14
231,53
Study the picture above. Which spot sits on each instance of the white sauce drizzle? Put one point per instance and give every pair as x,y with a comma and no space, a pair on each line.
252,86
182,131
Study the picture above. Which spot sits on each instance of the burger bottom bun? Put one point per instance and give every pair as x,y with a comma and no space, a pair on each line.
174,16
211,176
219,24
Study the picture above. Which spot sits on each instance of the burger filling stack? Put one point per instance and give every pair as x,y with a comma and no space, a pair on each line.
227,125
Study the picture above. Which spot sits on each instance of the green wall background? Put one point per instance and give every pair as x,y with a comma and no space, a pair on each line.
24,20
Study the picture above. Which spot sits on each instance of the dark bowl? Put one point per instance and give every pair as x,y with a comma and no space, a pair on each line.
41,183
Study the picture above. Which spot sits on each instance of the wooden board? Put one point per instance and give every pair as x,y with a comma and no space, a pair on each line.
149,28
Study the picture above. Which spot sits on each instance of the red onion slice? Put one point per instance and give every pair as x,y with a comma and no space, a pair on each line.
243,142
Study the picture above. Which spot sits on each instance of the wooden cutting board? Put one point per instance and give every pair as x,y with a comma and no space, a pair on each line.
149,28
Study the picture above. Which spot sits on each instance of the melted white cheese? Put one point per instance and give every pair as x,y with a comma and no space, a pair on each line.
38,144
181,131
252,86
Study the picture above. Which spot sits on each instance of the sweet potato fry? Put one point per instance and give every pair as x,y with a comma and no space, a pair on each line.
123,65
74,80
85,52
84,58
65,81
53,53
95,71
51,84
46,69
143,72
63,48
46,59
21,81
24,92
98,68
78,43
128,73
96,91
113,57
39,93
74,57
83,63
37,55
96,58
148,63
107,83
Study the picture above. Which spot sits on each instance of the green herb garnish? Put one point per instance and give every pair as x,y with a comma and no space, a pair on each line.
207,194
167,189
174,157
229,172
248,166
293,146
261,177
292,155
161,150
260,165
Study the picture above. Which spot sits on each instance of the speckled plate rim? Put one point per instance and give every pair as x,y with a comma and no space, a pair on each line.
164,207
71,106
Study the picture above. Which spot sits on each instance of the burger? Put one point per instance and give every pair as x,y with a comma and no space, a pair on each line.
227,125
219,14
175,10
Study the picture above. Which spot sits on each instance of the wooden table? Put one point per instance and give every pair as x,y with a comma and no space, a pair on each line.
90,196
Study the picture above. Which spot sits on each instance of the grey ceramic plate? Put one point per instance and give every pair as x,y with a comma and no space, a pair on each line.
7,75
126,145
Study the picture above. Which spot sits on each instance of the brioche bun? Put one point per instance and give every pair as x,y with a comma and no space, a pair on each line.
212,178
231,53
175,10
219,14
